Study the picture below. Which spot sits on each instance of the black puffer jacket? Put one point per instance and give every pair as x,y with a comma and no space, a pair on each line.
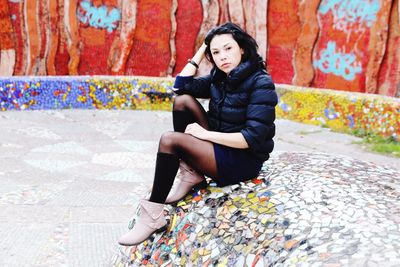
244,101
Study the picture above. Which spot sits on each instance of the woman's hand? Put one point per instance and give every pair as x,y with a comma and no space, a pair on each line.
189,69
235,140
196,130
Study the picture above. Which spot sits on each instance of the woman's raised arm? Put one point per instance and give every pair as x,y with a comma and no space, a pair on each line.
190,68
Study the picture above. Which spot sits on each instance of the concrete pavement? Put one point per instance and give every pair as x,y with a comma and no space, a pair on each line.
69,179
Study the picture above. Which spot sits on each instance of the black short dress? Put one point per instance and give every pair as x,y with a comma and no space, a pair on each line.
235,165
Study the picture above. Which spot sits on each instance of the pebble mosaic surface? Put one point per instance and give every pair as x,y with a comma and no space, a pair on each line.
341,111
84,93
303,210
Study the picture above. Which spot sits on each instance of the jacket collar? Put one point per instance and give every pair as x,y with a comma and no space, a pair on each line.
236,76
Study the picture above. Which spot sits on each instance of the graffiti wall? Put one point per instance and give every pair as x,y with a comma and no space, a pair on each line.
351,45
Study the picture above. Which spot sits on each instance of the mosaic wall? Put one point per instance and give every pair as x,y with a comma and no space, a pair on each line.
84,93
341,111
350,45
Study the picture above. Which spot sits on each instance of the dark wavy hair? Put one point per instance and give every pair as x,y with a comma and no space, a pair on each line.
245,41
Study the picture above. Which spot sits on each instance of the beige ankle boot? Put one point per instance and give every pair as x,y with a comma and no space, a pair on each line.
187,180
151,220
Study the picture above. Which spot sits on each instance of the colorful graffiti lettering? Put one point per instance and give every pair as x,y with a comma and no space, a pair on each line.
346,13
338,63
98,17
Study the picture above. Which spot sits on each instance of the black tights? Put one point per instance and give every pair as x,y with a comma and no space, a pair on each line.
173,146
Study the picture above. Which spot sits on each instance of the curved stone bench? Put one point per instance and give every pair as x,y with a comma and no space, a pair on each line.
338,110
303,209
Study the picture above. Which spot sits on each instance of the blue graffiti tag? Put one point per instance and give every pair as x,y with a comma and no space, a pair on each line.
351,11
98,17
340,64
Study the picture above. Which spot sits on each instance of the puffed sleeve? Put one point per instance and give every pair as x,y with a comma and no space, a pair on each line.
260,114
198,87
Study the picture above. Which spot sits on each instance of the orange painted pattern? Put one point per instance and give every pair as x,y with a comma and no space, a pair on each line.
53,34
6,29
151,39
302,58
389,78
377,46
188,19
283,31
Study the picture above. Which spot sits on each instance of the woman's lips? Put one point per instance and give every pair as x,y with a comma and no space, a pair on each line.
225,65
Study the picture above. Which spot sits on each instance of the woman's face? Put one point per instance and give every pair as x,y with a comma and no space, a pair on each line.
225,52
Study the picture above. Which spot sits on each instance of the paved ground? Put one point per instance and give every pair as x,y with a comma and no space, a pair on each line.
69,179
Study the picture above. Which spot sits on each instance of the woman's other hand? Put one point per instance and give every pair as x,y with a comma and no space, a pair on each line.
235,140
196,130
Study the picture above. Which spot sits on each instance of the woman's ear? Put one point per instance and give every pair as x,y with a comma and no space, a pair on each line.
241,51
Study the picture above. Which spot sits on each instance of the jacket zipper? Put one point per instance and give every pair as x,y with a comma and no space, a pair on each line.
220,103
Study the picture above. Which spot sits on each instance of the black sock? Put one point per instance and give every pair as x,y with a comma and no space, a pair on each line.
166,168
181,119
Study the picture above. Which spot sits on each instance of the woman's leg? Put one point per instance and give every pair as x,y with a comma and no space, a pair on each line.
175,146
186,110
199,154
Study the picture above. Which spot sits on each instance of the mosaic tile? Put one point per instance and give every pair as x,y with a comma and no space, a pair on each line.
301,217
82,93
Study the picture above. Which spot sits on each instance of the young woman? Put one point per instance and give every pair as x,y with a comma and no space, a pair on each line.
229,143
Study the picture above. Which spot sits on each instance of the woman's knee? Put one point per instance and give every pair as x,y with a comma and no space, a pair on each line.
182,101
168,141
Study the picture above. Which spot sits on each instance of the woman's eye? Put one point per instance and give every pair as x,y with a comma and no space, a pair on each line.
214,53
228,48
